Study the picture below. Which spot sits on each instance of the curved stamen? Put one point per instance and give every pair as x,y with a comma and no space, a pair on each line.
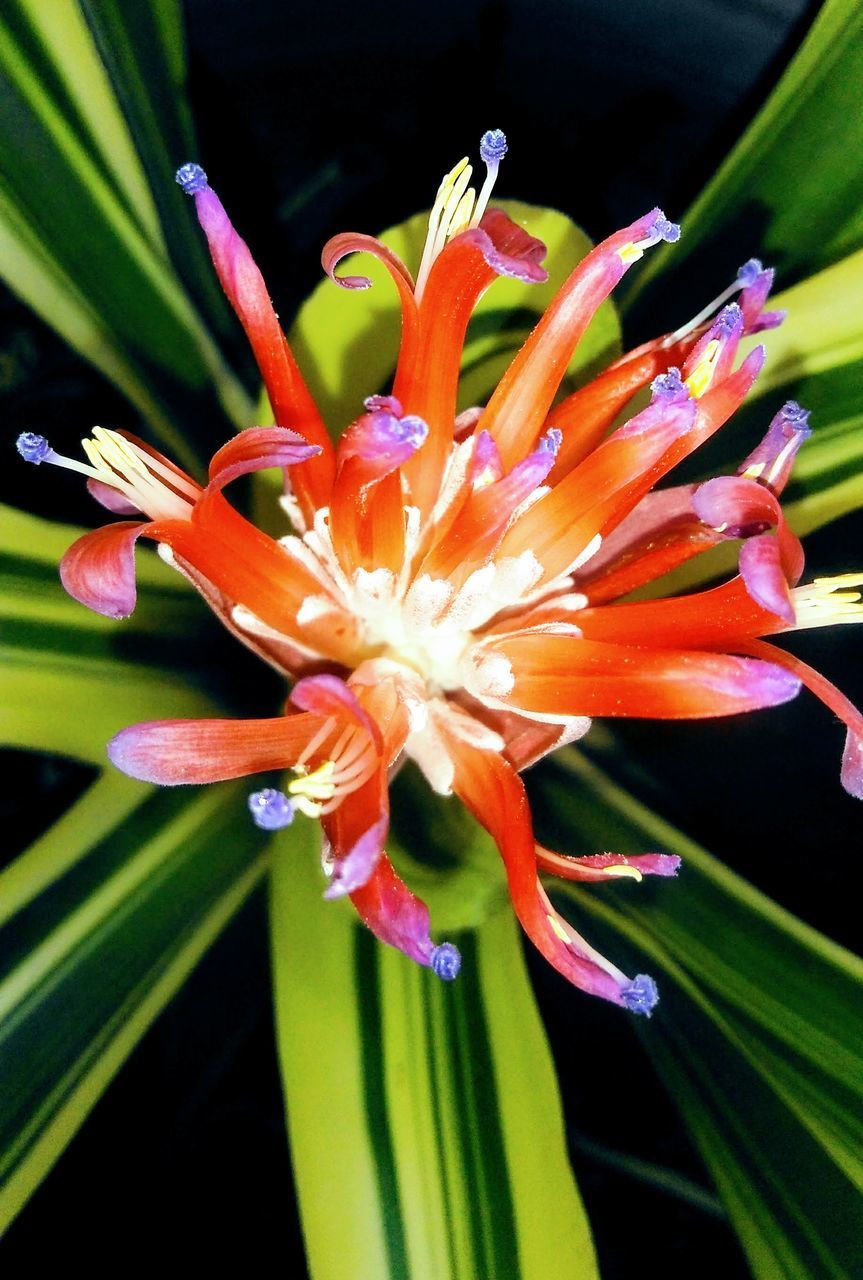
746,275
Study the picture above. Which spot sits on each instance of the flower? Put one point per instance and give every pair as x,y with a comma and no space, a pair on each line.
452,591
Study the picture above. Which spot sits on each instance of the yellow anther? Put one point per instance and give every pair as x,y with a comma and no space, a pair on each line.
463,214
623,870
824,602
702,375
317,785
630,253
559,929
447,204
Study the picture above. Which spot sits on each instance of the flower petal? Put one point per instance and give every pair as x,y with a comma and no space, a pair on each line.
349,242
394,914
607,866
175,752
110,498
555,676
517,410
599,490
426,384
495,795
719,617
851,775
290,398
99,569
257,449
762,572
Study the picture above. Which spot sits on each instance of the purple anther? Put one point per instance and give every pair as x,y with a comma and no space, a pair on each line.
492,146
389,404
664,229
270,809
191,178
33,447
795,414
551,441
669,386
641,996
446,961
749,272
729,319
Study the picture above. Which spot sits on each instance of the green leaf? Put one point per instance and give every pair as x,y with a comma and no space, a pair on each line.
783,189
70,678
347,344
93,265
94,953
424,1117
142,49
758,1032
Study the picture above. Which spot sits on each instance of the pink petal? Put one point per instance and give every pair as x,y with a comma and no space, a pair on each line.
256,449
762,572
175,752
107,496
348,242
99,569
600,866
394,914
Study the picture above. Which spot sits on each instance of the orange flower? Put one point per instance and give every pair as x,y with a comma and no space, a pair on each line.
450,591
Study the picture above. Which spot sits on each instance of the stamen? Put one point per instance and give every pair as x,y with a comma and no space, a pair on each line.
147,482
746,275
313,744
271,810
36,449
317,785
492,149
191,178
446,961
430,251
826,602
641,995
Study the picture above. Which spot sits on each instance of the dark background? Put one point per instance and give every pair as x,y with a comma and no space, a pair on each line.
316,118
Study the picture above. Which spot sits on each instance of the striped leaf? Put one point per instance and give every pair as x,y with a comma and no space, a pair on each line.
424,1117
94,265
69,678
758,1034
783,185
106,915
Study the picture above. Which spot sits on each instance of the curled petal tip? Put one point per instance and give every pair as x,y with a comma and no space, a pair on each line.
271,810
446,961
749,272
191,178
389,404
492,146
32,447
641,995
